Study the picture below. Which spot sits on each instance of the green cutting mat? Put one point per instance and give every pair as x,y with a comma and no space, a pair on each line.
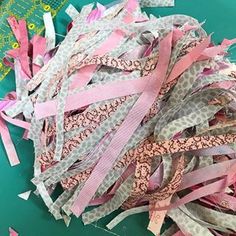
31,218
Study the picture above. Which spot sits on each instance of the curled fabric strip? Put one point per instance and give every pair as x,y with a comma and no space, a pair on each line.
94,94
5,135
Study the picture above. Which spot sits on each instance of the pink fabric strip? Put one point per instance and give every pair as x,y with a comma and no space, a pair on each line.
96,13
228,42
199,176
131,5
9,146
220,150
178,34
96,94
16,122
219,198
39,48
206,190
216,50
14,53
188,59
6,103
157,217
84,74
213,51
24,46
125,131
14,27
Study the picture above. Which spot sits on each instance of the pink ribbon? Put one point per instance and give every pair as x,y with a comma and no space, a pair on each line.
96,94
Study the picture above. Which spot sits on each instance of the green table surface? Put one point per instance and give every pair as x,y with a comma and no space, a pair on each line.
31,218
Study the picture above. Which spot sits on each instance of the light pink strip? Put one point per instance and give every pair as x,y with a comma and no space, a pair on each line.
219,197
206,190
24,45
186,61
177,35
96,13
125,131
131,5
9,146
228,42
215,187
14,27
199,176
6,104
96,94
16,122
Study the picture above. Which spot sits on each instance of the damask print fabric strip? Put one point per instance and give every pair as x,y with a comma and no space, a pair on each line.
128,111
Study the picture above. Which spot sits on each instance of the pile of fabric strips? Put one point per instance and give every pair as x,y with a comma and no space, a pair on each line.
128,111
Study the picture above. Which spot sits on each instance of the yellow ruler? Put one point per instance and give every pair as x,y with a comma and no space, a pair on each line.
30,10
